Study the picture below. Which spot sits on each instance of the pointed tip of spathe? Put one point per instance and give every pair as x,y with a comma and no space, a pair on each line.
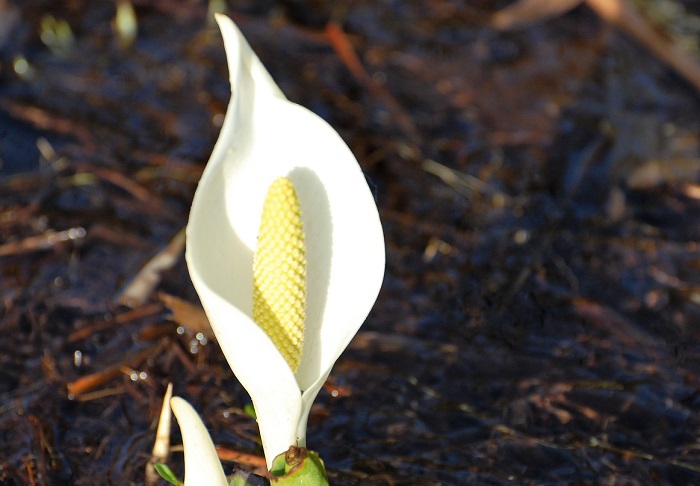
242,61
202,465
220,18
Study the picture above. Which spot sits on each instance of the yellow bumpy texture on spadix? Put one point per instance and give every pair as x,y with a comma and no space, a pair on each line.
279,272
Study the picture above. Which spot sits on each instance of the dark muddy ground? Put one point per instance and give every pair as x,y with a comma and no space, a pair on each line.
540,317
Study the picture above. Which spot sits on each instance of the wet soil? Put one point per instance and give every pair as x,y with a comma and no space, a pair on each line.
539,189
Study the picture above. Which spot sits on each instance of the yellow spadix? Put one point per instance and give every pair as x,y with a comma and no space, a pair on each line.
279,272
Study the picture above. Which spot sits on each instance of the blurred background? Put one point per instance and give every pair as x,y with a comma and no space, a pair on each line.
537,169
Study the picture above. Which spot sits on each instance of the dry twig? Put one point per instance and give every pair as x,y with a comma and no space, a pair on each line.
143,284
346,52
625,16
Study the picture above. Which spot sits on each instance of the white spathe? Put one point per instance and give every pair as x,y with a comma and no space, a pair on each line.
202,465
265,136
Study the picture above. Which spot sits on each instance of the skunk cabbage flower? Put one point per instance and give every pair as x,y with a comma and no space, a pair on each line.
284,247
202,466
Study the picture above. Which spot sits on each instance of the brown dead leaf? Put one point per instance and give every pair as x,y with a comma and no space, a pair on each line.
187,315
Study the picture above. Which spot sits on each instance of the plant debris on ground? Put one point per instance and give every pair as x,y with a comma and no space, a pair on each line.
539,188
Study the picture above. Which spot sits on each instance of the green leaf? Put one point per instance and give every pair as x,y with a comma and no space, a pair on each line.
167,474
250,410
279,466
298,466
